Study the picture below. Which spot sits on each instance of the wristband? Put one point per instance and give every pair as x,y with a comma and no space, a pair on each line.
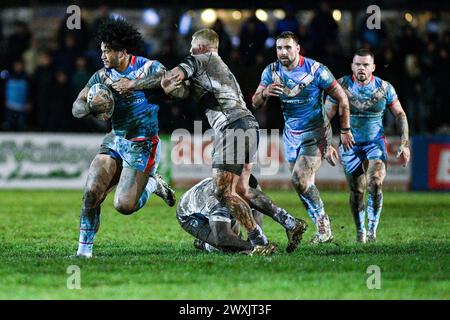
345,130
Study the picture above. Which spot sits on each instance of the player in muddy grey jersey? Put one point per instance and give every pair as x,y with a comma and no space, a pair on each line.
215,89
214,229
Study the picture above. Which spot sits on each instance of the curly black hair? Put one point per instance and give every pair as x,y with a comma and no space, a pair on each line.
119,35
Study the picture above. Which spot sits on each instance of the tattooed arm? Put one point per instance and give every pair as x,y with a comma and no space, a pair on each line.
402,122
223,237
82,108
339,95
175,84
146,81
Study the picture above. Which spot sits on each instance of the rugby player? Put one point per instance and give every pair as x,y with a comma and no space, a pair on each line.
365,163
129,154
215,89
204,217
300,83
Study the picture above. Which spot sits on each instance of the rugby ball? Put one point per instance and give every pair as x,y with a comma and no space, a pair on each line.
103,112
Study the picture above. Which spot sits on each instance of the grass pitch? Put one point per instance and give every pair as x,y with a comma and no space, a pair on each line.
148,256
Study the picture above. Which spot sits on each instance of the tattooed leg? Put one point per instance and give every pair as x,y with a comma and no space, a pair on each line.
357,186
376,173
225,187
303,175
130,194
261,202
102,176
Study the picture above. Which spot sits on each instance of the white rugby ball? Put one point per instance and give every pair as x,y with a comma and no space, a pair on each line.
107,110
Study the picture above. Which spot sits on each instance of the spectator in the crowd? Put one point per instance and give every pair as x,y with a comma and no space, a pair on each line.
81,37
103,14
323,29
253,35
30,57
17,98
66,55
372,38
80,77
43,83
168,55
428,63
60,107
17,42
409,42
289,22
225,40
442,119
304,40
389,69
415,110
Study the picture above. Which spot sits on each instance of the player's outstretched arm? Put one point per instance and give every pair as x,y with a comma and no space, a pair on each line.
146,81
344,115
402,123
174,85
223,237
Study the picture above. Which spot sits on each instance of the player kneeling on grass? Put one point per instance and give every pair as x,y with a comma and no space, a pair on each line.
210,222
129,154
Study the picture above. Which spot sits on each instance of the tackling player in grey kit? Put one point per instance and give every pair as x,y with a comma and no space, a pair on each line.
204,217
215,89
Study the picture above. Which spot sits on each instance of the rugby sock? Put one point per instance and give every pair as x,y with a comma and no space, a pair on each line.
89,224
313,203
149,189
374,206
257,237
284,218
359,218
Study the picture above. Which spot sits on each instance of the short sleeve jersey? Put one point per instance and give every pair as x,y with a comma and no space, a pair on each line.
368,103
215,89
135,113
303,93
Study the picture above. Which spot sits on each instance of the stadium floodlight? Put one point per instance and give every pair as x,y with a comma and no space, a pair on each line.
150,17
262,15
279,14
408,17
337,15
236,14
209,16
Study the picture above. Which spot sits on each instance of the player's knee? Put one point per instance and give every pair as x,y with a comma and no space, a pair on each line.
300,183
357,191
375,184
124,207
91,197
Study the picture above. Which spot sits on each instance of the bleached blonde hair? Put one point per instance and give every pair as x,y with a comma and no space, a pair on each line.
209,36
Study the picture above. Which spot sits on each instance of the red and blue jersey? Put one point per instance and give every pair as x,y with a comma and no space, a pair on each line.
304,87
135,113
